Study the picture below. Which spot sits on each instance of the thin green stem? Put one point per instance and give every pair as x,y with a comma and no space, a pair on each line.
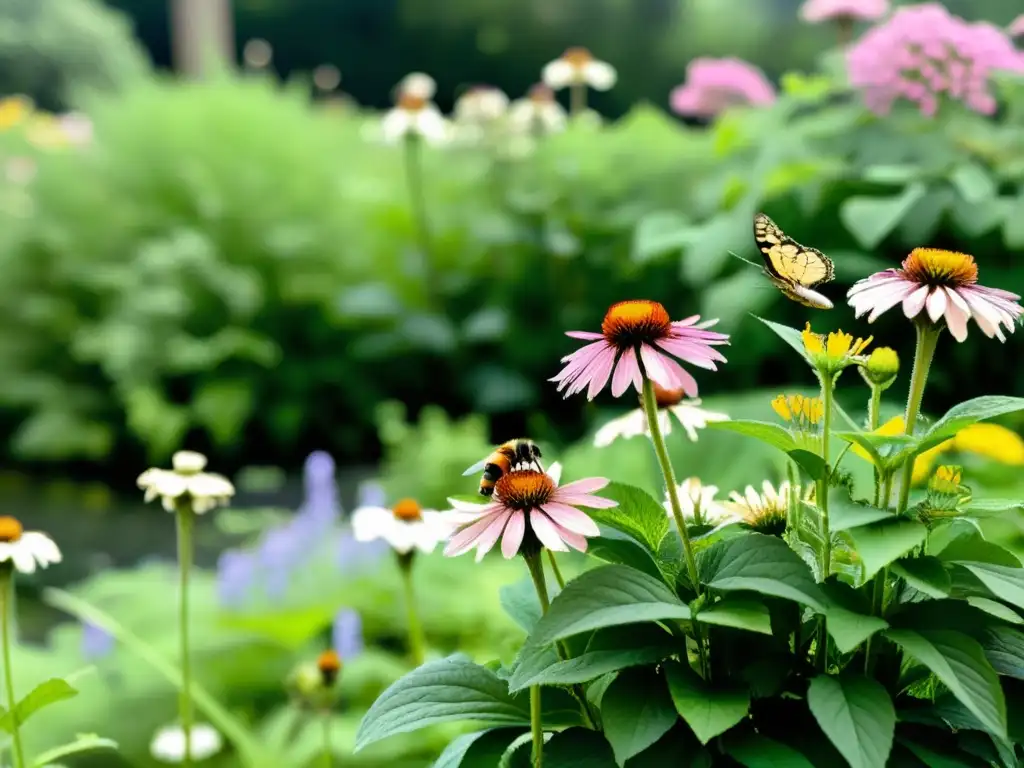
927,340
874,406
536,726
793,502
554,568
6,616
328,754
418,201
827,384
185,519
417,641
577,99
886,490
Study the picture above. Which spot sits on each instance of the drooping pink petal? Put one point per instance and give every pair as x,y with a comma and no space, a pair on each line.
513,538
587,500
574,540
914,303
984,315
485,541
587,485
547,531
936,304
600,373
625,370
684,380
657,371
466,539
957,314
570,518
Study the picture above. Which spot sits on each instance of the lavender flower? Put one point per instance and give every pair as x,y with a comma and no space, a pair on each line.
321,502
235,576
347,633
96,642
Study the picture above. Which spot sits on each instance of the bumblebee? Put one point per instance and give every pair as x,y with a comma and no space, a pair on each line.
515,454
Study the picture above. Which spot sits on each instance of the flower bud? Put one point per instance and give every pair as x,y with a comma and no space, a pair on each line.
881,367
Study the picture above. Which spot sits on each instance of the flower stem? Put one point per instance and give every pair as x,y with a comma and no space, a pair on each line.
328,755
418,201
577,99
555,569
417,642
6,617
536,726
874,405
927,339
828,382
185,518
793,502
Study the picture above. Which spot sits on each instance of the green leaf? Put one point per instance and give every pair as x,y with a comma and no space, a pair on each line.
848,620
811,463
973,182
444,690
659,233
708,710
992,507
844,513
925,574
223,406
84,742
43,695
520,602
770,434
871,219
759,563
638,515
791,336
959,662
609,651
481,749
234,730
857,715
1004,649
606,597
967,413
578,748
1004,582
885,450
624,552
971,547
994,608
879,544
636,711
756,751
740,612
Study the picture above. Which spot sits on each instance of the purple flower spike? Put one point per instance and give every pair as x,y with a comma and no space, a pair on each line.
371,494
347,633
96,642
321,502
235,576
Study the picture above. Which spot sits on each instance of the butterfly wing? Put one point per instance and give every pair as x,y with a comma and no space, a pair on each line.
787,260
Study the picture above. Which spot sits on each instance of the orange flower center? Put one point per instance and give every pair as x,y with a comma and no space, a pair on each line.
329,665
541,94
666,398
410,102
524,489
578,57
630,323
407,510
10,530
934,266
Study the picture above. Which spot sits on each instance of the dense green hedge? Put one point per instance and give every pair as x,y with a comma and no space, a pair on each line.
230,266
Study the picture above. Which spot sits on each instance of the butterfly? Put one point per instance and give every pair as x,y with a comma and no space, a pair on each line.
793,268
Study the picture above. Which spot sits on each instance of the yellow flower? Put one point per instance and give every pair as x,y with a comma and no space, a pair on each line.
832,353
946,479
803,412
991,441
13,110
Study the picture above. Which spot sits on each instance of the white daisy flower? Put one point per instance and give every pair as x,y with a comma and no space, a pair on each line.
686,411
205,490
698,501
577,66
414,116
168,744
418,85
538,112
481,104
767,511
406,526
25,549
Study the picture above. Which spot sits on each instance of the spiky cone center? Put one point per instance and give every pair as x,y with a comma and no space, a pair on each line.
628,324
541,94
10,530
525,489
408,511
329,665
411,102
936,267
666,398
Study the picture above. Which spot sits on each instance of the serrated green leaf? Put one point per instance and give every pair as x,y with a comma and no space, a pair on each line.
48,692
759,563
959,662
971,547
881,543
1004,582
624,552
606,597
739,612
871,219
708,710
992,507
845,514
811,463
638,515
1004,649
636,711
857,715
769,434
445,690
848,620
970,412
925,574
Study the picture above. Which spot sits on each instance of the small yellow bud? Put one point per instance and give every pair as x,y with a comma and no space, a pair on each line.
881,367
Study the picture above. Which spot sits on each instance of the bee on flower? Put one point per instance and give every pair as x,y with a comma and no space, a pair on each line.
673,405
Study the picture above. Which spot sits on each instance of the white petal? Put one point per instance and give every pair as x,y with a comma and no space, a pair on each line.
629,425
188,461
558,74
431,125
555,472
369,523
936,304
600,75
41,546
395,125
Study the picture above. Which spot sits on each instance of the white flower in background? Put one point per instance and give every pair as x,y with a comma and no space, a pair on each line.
205,490
577,66
481,105
25,549
686,411
767,512
414,116
168,744
20,170
696,500
417,85
538,112
406,526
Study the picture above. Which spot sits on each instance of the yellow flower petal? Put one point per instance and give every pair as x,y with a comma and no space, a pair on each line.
993,442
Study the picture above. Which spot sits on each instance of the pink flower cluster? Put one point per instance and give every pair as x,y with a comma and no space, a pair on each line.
712,85
923,52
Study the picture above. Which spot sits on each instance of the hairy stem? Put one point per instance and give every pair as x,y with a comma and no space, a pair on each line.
927,339
6,619
827,385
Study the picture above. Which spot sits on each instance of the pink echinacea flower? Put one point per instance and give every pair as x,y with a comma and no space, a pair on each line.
944,284
1016,28
529,510
815,11
639,338
712,85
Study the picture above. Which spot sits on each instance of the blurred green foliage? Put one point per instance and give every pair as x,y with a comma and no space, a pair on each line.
230,266
56,51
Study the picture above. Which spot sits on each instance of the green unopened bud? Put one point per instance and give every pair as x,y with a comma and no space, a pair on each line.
881,367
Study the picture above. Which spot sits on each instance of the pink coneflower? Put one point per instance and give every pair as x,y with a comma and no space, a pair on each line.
713,85
1016,28
638,338
923,53
814,11
943,283
528,511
